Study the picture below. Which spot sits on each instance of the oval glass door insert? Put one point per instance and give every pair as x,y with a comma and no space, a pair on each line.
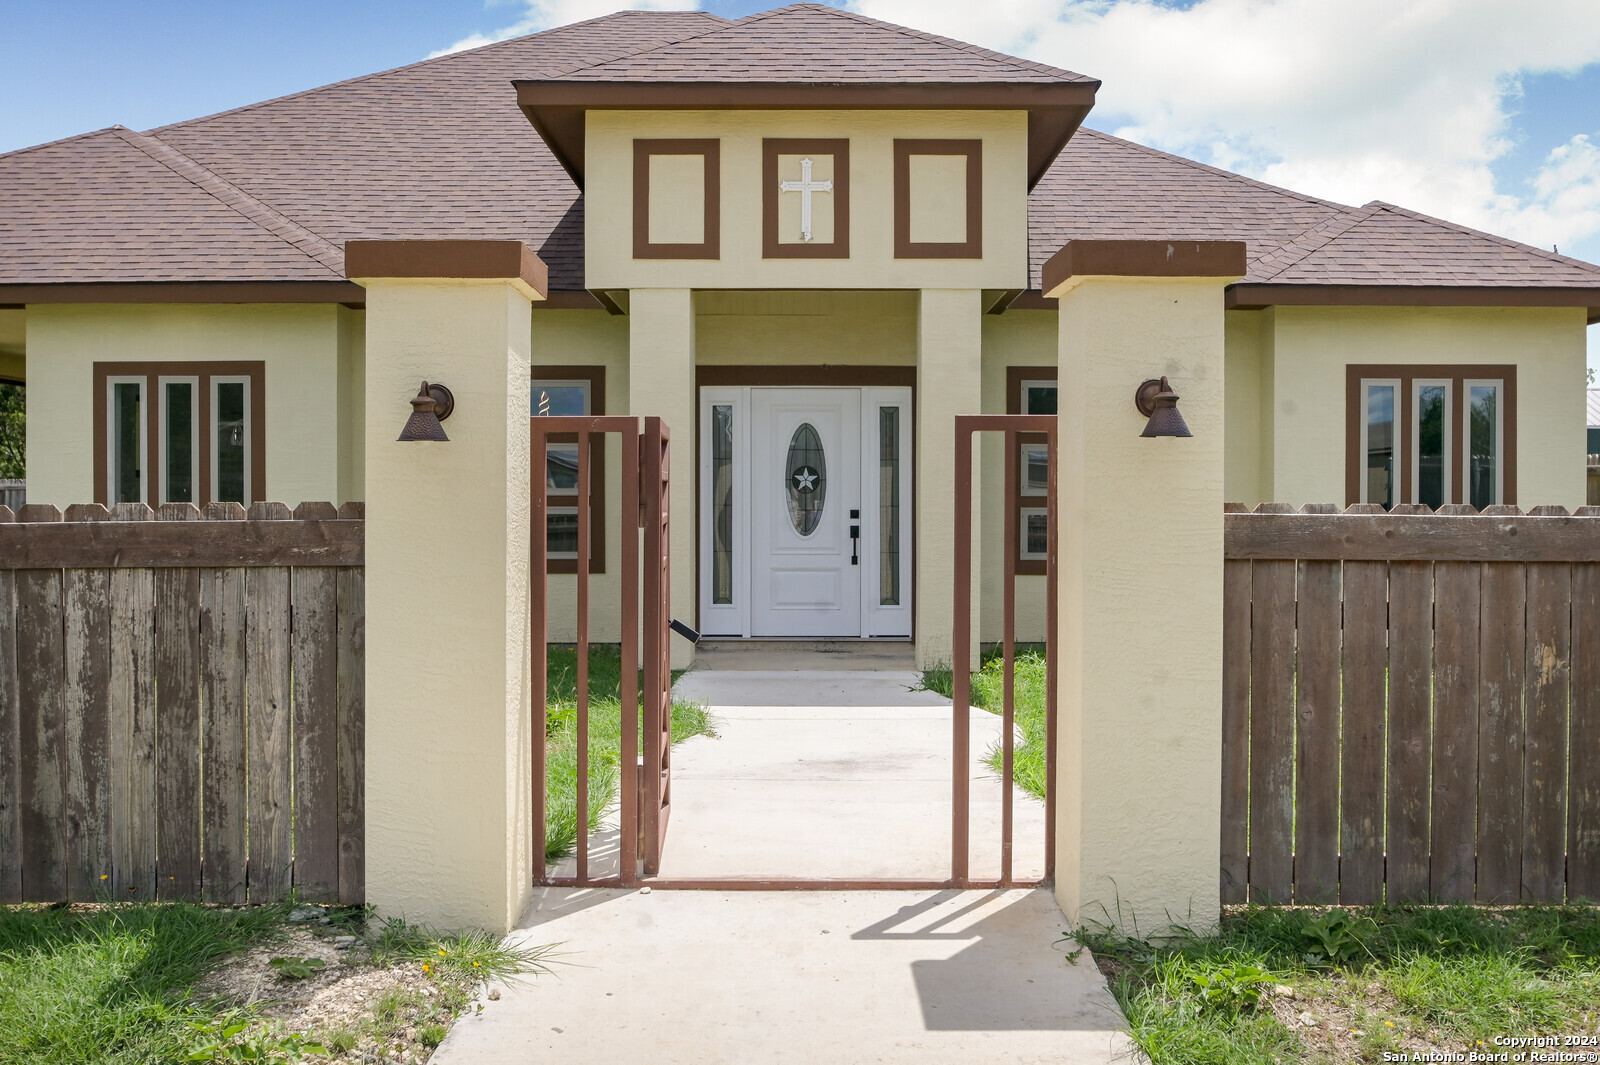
807,479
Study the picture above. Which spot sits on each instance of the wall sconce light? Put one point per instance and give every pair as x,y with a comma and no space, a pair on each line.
1157,401
432,405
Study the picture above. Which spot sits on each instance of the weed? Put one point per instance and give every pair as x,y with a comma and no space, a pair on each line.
1230,988
230,1038
340,1041
297,968
1337,938
431,1035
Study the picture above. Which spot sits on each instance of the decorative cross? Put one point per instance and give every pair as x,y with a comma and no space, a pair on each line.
805,187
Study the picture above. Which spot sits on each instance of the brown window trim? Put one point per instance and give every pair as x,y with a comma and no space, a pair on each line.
1015,375
1456,373
152,372
839,246
972,248
710,152
596,377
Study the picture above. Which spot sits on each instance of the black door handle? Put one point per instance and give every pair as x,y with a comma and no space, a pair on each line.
855,540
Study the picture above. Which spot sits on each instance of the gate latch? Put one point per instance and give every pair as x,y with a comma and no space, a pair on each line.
683,630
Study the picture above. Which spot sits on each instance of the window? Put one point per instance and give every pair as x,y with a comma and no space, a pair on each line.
1433,435
179,432
560,392
1032,390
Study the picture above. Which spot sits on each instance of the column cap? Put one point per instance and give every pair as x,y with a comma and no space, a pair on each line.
1143,258
509,260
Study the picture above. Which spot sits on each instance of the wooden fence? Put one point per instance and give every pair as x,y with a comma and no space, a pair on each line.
1411,705
181,709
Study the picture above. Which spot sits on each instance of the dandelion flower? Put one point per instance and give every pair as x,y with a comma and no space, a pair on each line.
1389,1023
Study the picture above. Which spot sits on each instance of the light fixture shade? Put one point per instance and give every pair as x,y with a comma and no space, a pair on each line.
424,421
1158,402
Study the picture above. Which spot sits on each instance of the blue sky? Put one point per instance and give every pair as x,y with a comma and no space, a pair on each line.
1485,113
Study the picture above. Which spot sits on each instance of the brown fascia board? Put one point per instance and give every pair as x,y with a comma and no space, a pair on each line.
508,259
20,295
1253,296
1144,258
556,108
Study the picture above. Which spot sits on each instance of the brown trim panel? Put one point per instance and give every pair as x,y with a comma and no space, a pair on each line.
596,376
839,246
972,247
152,372
1015,375
1254,296
1144,258
1406,373
185,292
490,259
710,151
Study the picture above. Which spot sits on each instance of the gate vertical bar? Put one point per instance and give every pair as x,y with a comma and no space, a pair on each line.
632,518
538,666
960,658
581,820
1051,569
658,673
1009,657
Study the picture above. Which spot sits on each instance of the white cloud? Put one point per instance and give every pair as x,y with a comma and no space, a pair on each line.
543,14
1401,100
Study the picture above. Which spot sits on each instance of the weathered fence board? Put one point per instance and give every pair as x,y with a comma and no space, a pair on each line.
1449,666
181,703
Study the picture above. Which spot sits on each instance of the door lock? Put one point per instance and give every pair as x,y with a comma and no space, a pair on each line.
855,540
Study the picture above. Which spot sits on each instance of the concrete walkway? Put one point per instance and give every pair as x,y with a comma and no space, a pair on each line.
832,978
814,773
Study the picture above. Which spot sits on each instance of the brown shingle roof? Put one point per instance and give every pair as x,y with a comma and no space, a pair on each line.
809,43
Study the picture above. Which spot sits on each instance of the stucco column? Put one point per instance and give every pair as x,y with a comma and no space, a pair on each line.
949,382
447,545
661,384
1140,677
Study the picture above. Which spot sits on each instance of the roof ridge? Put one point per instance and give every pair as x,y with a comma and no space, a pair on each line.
1000,58
1197,165
230,195
420,62
1444,223
1313,240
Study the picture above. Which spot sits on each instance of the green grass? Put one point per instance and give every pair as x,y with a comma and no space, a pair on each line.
988,693
111,985
605,741
1411,978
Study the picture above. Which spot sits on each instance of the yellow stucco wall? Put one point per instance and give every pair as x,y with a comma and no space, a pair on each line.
608,163
13,342
843,328
352,404
299,343
1244,396
1311,347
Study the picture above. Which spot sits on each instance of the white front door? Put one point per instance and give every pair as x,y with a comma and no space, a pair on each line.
806,496
805,510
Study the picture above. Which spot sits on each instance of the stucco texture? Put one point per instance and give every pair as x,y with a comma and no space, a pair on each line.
1140,683
305,390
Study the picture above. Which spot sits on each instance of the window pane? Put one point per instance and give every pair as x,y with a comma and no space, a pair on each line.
1035,533
1380,445
1038,399
561,467
806,479
562,532
177,479
889,506
1431,409
556,400
1034,469
722,503
1484,456
230,442
126,476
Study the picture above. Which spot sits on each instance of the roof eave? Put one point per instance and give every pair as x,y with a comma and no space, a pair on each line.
1254,295
557,108
13,295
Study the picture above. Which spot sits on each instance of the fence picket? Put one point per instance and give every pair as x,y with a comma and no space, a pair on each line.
1317,733
1236,595
10,837
177,733
1502,655
314,653
40,766
1583,818
1410,666
1545,705
222,650
1455,731
1272,733
267,694
1361,750
87,646
352,736
131,708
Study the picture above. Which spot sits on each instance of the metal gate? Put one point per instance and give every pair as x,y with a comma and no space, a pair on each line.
646,792
646,798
